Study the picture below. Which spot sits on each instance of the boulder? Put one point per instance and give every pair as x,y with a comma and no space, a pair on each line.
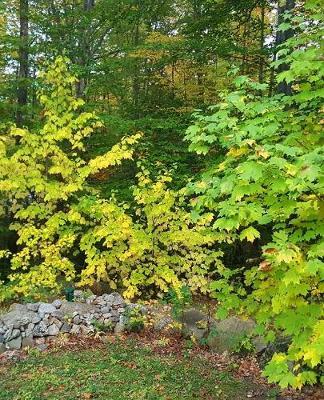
77,319
45,308
27,341
65,328
55,321
75,329
85,330
29,329
119,328
115,299
105,309
2,348
228,334
67,308
57,303
18,317
40,330
162,323
53,330
42,346
32,306
17,307
11,334
195,323
36,319
14,344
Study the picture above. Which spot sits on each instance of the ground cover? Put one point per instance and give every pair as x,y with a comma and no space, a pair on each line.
120,369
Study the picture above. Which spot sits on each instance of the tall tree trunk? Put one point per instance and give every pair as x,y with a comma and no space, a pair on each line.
88,4
262,25
85,51
281,37
23,71
136,76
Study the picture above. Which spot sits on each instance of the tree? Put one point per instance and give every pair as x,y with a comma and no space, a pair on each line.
44,179
269,187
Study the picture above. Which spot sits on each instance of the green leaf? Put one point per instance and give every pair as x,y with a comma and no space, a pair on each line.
250,234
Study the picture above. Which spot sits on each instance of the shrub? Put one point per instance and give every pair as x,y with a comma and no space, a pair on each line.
162,248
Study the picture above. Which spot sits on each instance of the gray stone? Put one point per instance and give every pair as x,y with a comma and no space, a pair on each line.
2,338
42,346
36,319
75,329
85,330
58,314
2,348
8,333
14,344
77,320
32,306
53,330
68,308
27,341
117,299
46,320
12,334
29,330
162,323
65,328
235,324
229,333
56,321
39,340
57,303
45,308
280,345
195,323
17,307
119,328
18,317
40,330
192,317
100,302
259,344
105,309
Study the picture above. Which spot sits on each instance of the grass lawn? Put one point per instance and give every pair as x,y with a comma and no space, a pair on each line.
121,370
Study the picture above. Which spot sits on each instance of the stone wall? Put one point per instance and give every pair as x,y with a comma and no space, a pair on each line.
31,324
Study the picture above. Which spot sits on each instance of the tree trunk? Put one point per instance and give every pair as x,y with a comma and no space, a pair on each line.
262,23
281,37
85,51
136,76
88,4
23,71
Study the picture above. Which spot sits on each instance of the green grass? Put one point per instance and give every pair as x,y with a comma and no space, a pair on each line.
117,371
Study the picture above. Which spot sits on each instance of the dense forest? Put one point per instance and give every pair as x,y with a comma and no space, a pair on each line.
148,145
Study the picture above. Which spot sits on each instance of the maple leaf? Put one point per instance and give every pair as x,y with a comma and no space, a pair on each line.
250,234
